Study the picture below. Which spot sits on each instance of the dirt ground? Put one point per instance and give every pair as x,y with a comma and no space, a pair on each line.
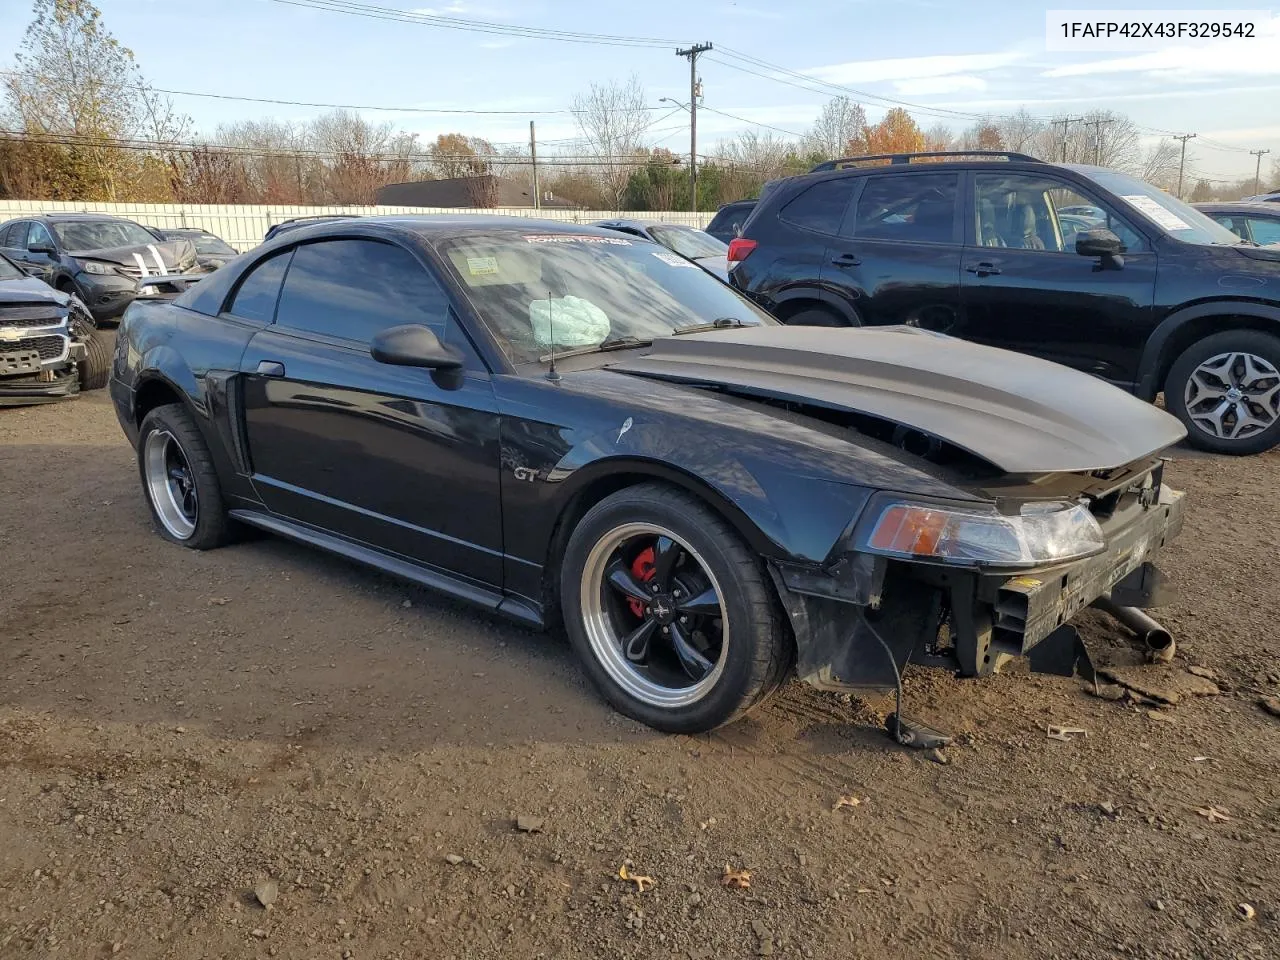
177,728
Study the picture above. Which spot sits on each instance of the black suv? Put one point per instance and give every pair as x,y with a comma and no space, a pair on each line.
1078,264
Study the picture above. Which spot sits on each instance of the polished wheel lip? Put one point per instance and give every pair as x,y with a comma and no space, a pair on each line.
1238,385
607,645
163,465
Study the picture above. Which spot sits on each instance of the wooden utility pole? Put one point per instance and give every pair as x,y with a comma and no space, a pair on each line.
1066,122
1257,169
1097,125
692,54
1182,161
533,155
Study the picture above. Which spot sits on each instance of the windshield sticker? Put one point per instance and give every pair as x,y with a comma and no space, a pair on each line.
673,259
1165,218
482,266
574,238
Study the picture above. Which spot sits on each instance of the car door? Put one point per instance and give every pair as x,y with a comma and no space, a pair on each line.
40,255
896,257
13,240
1025,288
398,458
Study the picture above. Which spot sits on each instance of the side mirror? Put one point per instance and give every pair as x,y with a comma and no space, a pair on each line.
42,248
413,345
1100,242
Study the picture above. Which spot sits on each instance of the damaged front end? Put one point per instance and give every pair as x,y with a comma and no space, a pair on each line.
969,586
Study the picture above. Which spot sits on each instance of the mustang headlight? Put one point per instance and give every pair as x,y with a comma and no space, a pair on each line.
1044,532
92,266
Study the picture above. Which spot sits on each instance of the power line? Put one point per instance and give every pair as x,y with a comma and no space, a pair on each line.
731,116
336,106
186,147
375,12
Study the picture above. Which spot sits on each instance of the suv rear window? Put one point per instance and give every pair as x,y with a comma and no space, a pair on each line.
821,207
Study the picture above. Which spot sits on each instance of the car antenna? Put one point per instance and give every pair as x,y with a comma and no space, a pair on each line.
552,373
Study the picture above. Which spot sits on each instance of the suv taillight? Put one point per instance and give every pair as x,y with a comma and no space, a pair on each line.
740,249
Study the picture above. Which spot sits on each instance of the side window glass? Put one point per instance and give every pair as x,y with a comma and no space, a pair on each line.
916,207
37,236
354,288
1027,212
258,292
1264,231
16,236
821,207
1233,224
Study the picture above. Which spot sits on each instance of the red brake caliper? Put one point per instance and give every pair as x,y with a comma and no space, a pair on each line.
643,569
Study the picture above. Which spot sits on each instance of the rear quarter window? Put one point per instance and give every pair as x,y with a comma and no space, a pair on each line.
821,207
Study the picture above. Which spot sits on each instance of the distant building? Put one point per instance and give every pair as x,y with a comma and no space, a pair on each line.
486,191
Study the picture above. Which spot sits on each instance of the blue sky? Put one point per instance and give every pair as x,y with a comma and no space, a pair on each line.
973,56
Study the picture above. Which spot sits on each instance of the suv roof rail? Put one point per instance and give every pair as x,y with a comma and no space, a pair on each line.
895,158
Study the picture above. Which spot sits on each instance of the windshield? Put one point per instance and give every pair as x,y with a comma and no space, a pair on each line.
542,292
1176,218
208,243
79,235
689,242
8,271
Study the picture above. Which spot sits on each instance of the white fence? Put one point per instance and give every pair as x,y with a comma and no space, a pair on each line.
243,226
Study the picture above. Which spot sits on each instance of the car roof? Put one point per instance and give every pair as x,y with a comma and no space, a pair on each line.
1238,206
77,216
443,226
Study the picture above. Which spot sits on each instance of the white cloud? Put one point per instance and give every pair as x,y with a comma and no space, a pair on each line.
912,68
448,10
953,83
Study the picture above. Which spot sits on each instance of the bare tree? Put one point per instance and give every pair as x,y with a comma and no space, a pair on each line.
613,118
1160,164
359,156
839,131
1020,131
278,163
939,137
752,158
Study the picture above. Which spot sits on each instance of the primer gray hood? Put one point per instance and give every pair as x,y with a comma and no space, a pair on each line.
1022,414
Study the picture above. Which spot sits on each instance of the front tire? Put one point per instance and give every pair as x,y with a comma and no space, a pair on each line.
1226,391
670,612
816,317
95,368
179,480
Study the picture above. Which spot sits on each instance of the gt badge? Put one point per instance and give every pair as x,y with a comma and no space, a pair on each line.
525,473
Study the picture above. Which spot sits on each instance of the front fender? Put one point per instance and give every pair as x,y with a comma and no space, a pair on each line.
780,511
1171,335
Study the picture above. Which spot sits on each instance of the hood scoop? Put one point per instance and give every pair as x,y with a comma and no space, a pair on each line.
1020,413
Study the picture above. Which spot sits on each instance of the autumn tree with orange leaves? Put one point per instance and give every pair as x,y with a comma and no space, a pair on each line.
896,133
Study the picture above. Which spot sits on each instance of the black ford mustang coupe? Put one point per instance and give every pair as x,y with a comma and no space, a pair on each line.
559,423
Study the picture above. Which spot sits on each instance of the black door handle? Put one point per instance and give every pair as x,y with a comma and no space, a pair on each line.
270,368
984,269
846,260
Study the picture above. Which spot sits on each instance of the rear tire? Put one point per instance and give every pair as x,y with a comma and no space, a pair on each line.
715,644
1226,391
179,480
